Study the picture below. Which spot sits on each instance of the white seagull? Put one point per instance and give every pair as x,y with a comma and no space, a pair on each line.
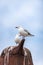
17,38
23,32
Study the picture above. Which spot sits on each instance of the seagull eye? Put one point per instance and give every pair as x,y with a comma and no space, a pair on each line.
16,27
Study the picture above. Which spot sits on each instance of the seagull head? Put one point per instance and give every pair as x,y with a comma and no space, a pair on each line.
18,27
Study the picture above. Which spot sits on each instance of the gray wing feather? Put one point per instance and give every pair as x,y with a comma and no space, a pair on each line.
28,32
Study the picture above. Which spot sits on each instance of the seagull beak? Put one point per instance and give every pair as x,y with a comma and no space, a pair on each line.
16,27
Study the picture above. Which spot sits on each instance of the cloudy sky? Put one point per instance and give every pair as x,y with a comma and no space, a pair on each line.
29,14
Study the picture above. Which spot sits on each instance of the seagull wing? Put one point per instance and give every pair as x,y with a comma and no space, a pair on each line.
28,32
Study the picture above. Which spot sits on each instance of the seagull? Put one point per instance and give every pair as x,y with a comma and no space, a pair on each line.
17,38
23,32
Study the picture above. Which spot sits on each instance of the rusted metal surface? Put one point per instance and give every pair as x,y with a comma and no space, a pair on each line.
19,59
1,60
16,56
16,60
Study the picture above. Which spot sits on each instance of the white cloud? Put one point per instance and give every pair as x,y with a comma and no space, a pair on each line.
13,17
39,62
25,10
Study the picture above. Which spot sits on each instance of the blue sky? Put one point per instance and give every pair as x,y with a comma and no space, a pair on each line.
28,14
